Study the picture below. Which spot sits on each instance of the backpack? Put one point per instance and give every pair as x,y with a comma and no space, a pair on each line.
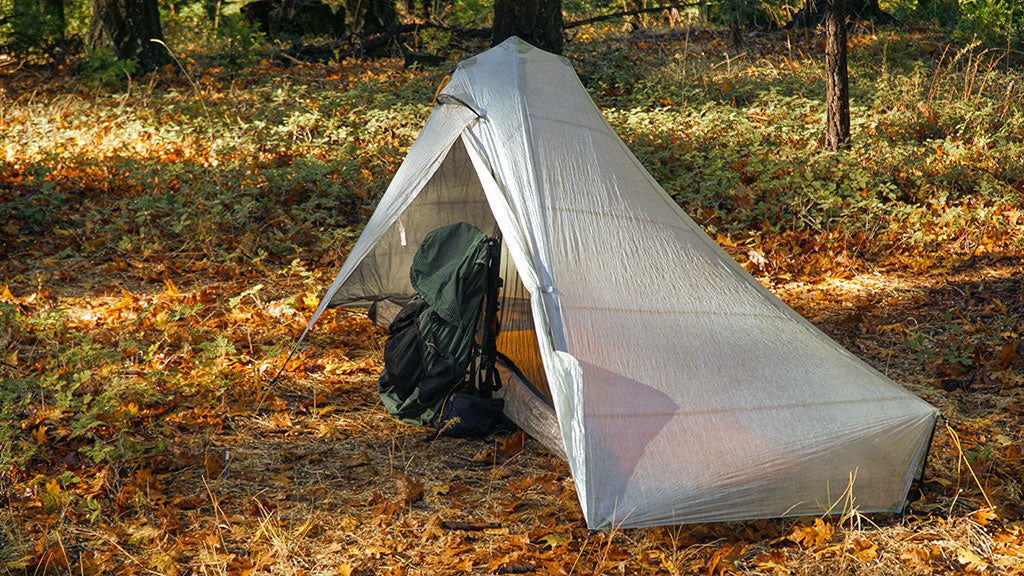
431,354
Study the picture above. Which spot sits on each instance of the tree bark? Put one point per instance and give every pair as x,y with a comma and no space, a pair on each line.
538,22
127,27
837,81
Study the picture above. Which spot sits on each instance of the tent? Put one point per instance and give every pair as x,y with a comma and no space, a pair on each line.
678,388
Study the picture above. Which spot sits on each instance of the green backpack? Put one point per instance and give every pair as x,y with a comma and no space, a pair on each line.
432,342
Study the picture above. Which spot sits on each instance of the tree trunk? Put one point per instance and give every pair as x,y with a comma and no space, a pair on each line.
837,81
538,22
127,27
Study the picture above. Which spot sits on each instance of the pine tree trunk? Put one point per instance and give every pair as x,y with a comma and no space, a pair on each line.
837,81
538,22
127,27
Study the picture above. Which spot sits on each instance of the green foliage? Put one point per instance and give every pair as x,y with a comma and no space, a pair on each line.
217,349
76,394
27,26
738,142
197,27
995,23
103,67
434,40
471,13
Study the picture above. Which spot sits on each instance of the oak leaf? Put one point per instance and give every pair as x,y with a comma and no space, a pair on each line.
409,489
512,445
984,516
812,536
864,550
970,560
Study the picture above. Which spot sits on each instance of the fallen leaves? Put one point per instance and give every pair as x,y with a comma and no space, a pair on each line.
970,560
503,449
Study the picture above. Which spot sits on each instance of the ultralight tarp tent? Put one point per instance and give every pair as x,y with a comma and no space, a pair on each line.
677,387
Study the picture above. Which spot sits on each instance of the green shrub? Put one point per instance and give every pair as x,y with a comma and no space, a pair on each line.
995,23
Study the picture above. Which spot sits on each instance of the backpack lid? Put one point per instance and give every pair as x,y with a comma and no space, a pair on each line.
448,271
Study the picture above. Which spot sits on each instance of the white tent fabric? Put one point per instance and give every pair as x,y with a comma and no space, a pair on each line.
682,390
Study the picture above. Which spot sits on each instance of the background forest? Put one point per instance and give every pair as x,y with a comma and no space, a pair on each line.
172,211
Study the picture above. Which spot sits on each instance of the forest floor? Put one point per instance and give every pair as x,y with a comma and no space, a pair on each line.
166,239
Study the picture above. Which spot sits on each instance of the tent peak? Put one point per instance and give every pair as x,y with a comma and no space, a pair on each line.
518,44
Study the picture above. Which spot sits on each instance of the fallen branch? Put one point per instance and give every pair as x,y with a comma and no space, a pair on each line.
374,43
518,568
605,17
468,526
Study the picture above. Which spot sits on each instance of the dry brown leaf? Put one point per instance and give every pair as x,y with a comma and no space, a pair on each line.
214,464
409,489
39,435
773,562
917,558
1007,356
864,550
432,529
555,539
984,516
812,536
512,445
163,563
485,456
282,419
970,560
